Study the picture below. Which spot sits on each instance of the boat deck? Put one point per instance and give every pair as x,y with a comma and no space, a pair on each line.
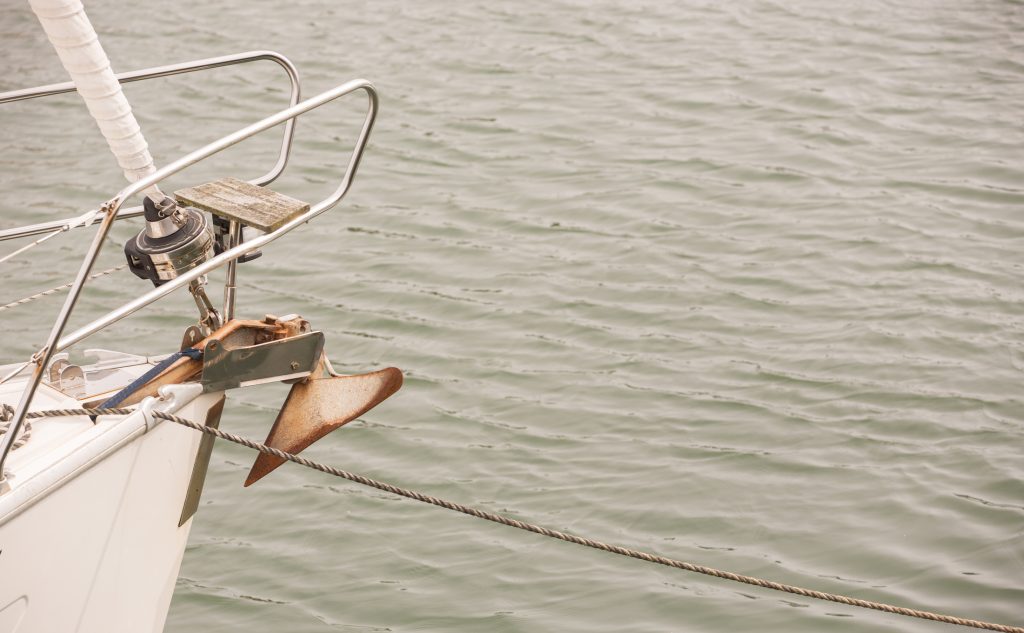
54,439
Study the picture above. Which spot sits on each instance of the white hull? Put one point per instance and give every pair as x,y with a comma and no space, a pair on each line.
89,534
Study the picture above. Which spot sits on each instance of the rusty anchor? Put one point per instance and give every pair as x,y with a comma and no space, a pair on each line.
318,405
249,352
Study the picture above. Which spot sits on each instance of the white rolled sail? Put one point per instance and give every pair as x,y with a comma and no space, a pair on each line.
78,46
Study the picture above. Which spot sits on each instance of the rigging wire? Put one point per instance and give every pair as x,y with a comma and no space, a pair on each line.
44,293
31,245
82,220
17,370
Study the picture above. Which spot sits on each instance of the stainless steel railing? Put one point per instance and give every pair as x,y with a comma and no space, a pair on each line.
110,212
153,73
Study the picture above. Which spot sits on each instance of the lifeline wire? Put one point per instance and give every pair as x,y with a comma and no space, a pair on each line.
31,245
81,220
44,293
536,529
17,370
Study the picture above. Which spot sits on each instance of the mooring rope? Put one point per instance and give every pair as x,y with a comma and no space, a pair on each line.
6,414
44,293
537,529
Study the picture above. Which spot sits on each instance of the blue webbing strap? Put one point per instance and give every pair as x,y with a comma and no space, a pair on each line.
157,369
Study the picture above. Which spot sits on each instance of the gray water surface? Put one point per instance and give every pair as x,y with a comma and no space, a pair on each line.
737,283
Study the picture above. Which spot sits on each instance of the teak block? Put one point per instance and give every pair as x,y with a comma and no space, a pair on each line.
234,199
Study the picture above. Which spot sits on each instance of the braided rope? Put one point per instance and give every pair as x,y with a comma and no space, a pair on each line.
536,529
44,293
6,414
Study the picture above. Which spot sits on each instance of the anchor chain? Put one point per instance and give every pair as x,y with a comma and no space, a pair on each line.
537,529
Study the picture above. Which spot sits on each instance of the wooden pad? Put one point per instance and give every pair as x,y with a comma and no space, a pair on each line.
234,199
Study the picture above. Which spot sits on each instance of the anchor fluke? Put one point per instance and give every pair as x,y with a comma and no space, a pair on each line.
315,407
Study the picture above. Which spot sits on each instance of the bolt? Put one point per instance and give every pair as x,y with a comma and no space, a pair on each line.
295,365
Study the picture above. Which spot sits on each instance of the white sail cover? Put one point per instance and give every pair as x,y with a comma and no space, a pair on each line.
83,57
